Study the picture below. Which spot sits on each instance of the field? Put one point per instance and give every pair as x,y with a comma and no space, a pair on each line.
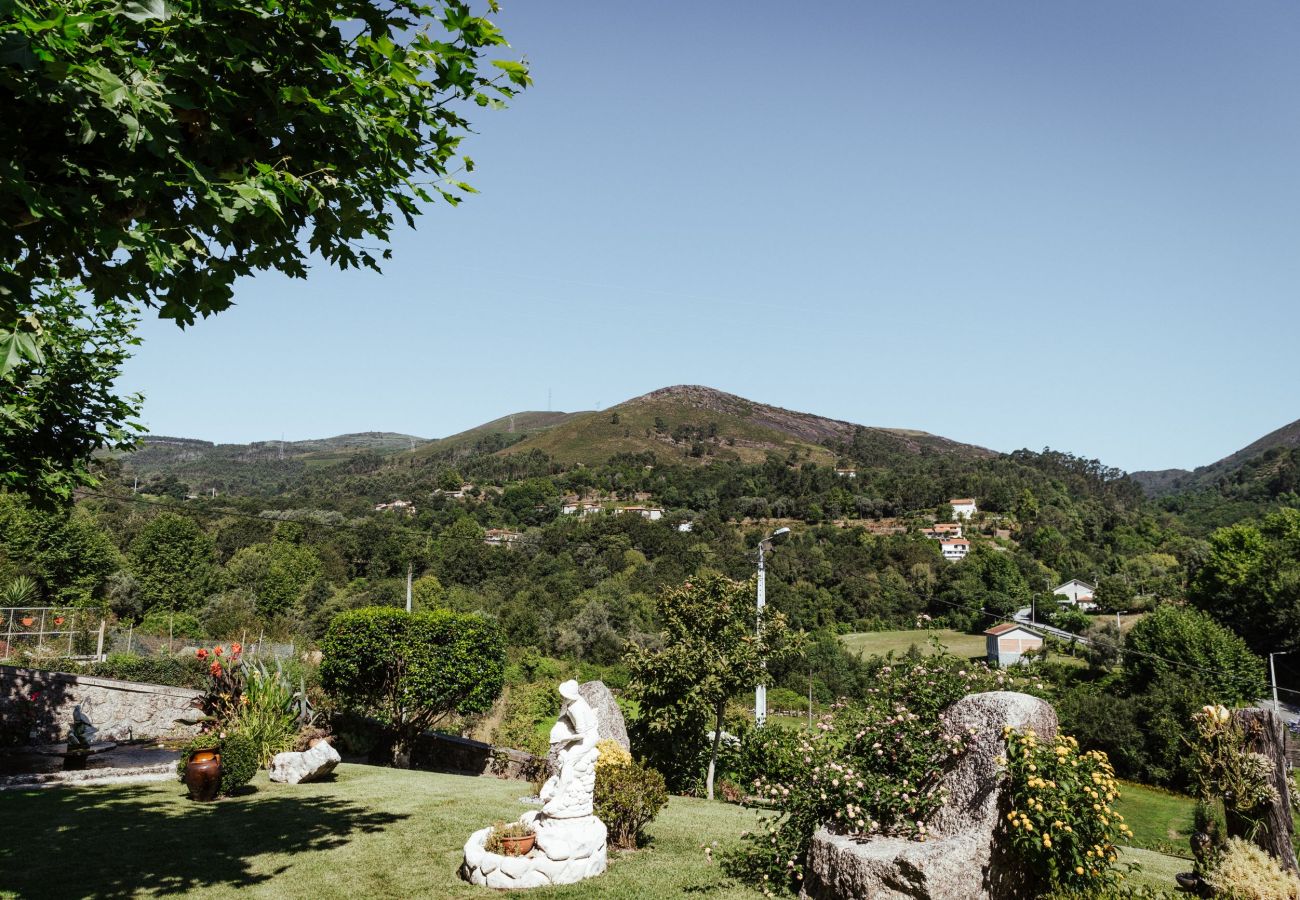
878,643
1161,820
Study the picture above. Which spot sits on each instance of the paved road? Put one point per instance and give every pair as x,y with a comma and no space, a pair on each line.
1022,616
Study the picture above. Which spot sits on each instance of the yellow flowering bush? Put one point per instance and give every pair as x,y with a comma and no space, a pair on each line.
1062,820
611,754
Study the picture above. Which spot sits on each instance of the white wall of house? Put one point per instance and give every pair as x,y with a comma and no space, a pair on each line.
1074,592
964,510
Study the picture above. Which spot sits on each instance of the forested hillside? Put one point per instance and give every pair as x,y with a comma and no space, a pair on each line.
285,543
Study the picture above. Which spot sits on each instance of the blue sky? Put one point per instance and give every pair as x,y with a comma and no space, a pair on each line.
1010,223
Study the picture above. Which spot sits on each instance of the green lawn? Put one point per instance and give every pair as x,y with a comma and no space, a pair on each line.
370,832
878,643
1160,820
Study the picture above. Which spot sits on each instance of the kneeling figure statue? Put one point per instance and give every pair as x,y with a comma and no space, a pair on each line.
570,843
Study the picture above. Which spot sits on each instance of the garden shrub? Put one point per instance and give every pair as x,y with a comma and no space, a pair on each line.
1062,822
628,797
870,768
268,713
1246,872
238,758
525,708
174,671
179,626
611,754
411,670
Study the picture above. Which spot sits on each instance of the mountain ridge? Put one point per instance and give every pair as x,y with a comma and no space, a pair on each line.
1160,482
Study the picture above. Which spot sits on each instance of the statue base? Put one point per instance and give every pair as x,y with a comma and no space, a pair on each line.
567,851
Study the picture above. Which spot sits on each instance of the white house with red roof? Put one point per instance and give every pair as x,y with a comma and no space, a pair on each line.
963,507
1007,643
954,549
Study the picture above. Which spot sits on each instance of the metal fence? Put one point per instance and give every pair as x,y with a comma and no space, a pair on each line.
71,633
51,631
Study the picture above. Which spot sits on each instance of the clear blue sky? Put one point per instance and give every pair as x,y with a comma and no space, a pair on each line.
1011,223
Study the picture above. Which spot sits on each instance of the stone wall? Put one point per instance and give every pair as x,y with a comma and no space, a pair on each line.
120,710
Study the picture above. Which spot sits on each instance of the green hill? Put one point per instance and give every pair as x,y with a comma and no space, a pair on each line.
1263,458
692,423
494,435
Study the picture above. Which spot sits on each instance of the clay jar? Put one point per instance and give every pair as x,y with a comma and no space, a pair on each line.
517,846
203,775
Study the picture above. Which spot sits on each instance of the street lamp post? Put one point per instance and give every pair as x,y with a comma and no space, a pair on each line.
760,690
1272,675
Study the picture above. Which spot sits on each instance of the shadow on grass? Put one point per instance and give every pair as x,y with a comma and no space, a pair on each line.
121,841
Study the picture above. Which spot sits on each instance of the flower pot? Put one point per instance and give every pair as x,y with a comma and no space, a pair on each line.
58,620
27,621
203,775
518,846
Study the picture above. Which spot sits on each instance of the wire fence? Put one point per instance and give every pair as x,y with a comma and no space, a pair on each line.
51,630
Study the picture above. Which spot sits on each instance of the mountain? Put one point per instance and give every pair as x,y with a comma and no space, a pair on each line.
692,423
497,434
1263,459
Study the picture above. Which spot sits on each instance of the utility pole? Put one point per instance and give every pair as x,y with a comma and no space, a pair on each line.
1272,675
760,690
409,566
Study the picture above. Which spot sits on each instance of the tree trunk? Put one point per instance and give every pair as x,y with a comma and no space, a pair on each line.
402,747
713,753
1266,734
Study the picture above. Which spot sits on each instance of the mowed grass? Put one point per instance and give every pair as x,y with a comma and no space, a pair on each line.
878,643
1161,820
368,832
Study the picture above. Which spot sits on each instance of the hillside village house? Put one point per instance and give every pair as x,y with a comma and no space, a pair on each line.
501,537
569,507
963,507
405,506
590,509
847,473
940,530
954,548
457,494
645,512
1075,593
1007,643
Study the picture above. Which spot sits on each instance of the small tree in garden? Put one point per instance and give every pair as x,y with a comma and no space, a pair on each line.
710,652
412,670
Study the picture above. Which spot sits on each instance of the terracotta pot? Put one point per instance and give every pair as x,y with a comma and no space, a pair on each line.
203,775
518,846
58,620
27,621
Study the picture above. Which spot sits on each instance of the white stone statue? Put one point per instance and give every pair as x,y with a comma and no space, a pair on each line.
570,842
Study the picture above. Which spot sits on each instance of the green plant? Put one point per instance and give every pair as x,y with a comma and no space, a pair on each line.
870,768
1062,821
20,591
1246,872
1226,772
238,758
179,626
495,842
411,670
268,711
176,671
628,797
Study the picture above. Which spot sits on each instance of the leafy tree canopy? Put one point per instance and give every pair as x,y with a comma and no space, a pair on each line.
413,669
1186,643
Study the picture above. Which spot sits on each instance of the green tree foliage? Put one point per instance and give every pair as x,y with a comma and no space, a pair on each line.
1250,580
989,585
709,652
1186,643
157,150
277,575
57,398
411,670
63,550
161,149
171,559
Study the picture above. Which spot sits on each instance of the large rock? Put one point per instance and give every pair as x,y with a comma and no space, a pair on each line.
608,714
311,765
967,855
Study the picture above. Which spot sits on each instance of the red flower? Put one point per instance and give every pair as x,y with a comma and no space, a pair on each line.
236,648
202,654
35,695
215,668
218,650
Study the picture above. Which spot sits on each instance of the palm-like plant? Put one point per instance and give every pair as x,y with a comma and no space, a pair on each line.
20,591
